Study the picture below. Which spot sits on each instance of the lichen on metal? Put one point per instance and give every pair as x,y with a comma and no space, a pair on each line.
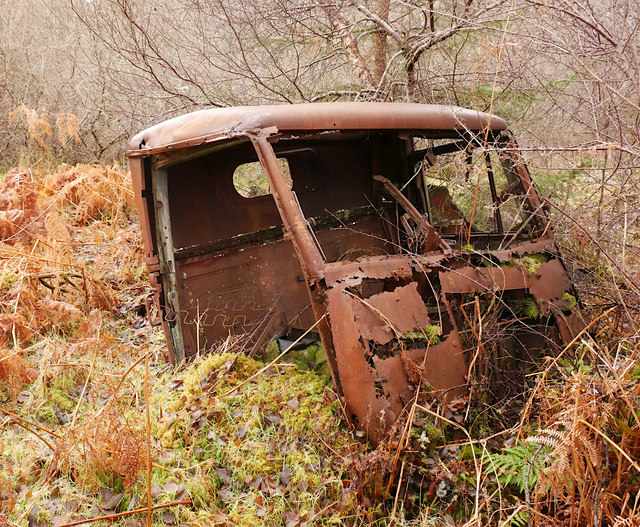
399,223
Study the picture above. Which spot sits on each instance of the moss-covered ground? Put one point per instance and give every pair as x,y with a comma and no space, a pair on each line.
228,444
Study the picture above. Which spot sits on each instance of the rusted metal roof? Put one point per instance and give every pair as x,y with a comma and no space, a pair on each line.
215,124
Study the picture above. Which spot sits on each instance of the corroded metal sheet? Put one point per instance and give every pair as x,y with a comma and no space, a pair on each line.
550,282
210,125
374,346
483,279
370,409
441,366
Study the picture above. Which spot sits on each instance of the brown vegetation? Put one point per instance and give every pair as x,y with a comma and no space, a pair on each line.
73,340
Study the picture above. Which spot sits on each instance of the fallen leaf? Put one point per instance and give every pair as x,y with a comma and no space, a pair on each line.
169,518
224,474
32,513
242,431
112,502
255,483
195,417
291,518
170,487
293,404
180,490
273,418
285,475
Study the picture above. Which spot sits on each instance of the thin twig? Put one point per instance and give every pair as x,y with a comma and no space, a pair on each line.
7,357
18,418
395,501
126,513
148,415
84,388
35,434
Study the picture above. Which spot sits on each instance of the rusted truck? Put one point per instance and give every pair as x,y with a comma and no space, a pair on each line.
411,235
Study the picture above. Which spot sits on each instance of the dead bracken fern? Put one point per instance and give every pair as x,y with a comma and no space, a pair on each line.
38,127
592,439
101,448
68,128
89,192
15,371
44,280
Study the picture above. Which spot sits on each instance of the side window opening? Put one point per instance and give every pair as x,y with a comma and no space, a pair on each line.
250,181
470,192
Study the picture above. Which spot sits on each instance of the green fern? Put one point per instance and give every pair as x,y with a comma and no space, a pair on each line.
515,462
521,519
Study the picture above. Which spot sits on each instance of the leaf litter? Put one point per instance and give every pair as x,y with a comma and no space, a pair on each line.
276,451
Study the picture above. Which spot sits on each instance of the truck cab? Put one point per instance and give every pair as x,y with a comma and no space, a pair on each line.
410,236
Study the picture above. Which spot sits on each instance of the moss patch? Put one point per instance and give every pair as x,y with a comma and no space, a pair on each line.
531,262
263,447
429,333
571,302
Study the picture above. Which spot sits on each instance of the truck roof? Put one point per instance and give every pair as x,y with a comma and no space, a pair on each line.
206,126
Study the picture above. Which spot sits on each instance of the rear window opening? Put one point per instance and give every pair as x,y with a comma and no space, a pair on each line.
250,181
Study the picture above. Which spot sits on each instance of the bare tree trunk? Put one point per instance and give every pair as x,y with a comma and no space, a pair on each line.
381,45
351,46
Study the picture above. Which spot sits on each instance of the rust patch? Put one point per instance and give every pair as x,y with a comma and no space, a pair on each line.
377,355
483,279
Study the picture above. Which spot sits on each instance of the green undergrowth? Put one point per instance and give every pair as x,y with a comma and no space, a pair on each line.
261,454
236,445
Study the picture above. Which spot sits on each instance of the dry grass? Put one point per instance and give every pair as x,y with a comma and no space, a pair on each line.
73,338
64,319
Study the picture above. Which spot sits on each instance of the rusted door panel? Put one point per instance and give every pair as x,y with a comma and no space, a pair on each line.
442,366
377,341
378,305
234,292
371,410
